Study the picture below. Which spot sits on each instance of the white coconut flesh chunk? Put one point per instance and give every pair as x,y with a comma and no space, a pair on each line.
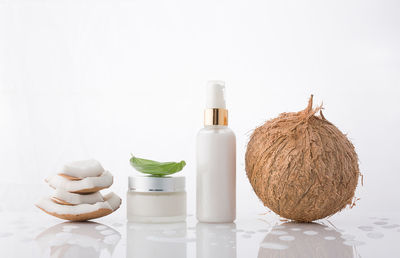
82,168
75,199
103,181
111,202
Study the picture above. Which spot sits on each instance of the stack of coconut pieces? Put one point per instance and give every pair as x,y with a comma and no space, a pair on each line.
77,195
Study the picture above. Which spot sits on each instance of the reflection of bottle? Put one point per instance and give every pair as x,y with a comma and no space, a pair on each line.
215,240
156,240
216,161
309,240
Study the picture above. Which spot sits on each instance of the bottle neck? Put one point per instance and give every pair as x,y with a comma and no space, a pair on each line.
215,116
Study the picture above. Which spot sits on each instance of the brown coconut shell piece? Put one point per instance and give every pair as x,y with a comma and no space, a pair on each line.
72,178
59,201
80,217
87,190
83,216
301,166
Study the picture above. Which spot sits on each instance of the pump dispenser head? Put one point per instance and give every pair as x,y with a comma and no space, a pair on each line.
215,96
215,112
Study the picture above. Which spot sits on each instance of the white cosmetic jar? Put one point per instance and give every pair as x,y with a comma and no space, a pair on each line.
156,199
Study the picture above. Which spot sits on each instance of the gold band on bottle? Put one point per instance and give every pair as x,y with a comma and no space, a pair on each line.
215,116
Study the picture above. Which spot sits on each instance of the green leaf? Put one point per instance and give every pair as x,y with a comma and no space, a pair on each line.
156,168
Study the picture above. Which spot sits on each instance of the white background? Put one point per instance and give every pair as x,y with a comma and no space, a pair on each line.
104,79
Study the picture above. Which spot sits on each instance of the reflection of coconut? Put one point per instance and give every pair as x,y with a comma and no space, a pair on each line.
156,240
304,240
87,239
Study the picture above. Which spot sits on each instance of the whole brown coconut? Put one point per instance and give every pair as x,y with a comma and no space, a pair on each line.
301,166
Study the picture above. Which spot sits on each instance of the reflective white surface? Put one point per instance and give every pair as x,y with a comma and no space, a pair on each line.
37,235
103,79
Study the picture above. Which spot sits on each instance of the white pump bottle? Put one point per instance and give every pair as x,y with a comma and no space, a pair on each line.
216,161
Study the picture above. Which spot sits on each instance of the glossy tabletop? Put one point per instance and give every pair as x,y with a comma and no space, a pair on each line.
35,234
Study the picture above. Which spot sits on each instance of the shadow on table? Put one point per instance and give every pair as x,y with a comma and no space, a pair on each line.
78,239
309,240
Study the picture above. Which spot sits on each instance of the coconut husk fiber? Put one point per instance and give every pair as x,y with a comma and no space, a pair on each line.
301,166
